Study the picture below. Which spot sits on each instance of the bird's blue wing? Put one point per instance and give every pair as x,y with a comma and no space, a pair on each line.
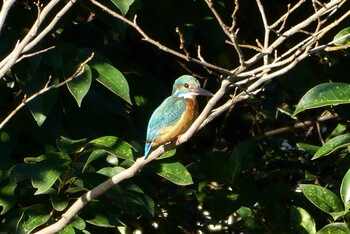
168,113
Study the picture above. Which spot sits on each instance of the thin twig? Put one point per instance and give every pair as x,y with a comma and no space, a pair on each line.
46,88
145,37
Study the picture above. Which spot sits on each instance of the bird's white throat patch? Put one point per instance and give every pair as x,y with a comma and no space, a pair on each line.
189,95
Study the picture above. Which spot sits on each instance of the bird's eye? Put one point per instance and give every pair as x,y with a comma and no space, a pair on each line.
186,86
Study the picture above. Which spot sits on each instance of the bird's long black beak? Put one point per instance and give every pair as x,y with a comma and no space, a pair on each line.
203,92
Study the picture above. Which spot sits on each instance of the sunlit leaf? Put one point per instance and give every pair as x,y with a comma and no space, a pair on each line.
67,230
343,37
110,171
324,95
302,221
332,145
103,221
69,146
123,5
335,228
114,146
307,147
112,79
324,199
174,172
80,85
78,223
345,190
32,217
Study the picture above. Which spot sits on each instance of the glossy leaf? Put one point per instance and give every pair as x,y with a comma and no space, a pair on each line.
174,172
332,145
46,172
80,85
8,197
102,221
110,171
123,5
324,199
32,217
67,230
343,37
345,190
68,146
324,95
112,79
114,146
59,201
78,223
307,147
94,155
302,221
335,228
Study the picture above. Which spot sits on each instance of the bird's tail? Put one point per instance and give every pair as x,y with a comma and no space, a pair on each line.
147,149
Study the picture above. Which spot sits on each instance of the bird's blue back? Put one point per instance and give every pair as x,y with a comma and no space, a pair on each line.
167,114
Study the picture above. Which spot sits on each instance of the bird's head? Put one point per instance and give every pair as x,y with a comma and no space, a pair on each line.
188,87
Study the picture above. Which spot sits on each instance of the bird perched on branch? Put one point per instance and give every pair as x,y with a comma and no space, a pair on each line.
176,114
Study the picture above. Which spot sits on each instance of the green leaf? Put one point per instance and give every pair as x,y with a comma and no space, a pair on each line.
335,228
343,37
114,146
174,172
67,230
7,197
324,95
167,154
80,85
302,221
123,5
324,199
242,157
110,171
78,223
340,129
102,221
96,154
46,172
31,218
59,201
112,79
41,106
68,146
21,172
307,147
332,145
345,190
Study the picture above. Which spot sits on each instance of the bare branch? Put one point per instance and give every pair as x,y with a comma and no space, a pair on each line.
32,37
6,5
156,43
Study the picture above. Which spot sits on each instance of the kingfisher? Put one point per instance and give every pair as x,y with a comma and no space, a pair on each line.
176,114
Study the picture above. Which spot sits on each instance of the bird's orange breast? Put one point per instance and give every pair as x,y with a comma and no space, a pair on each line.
169,133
